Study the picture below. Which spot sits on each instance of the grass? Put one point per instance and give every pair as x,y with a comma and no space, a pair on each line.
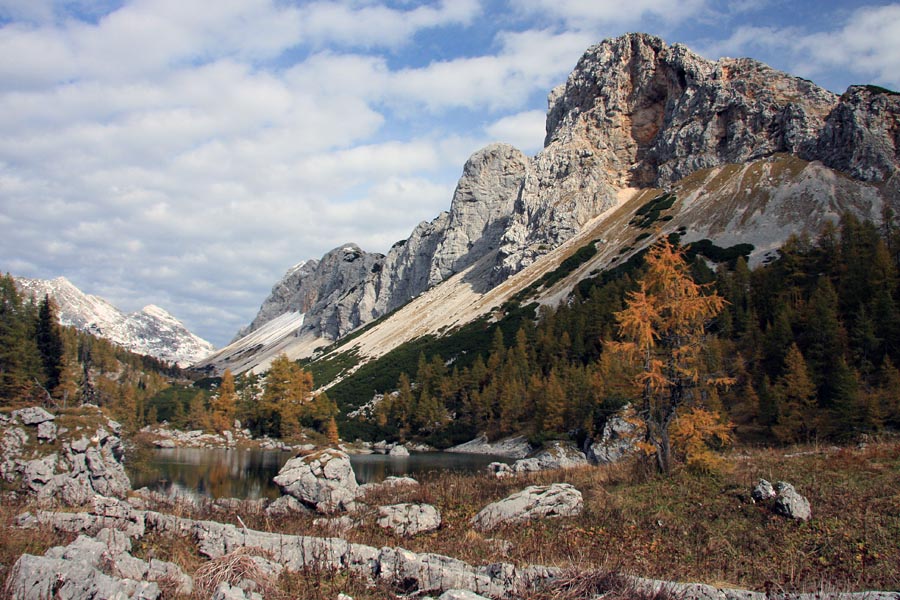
686,527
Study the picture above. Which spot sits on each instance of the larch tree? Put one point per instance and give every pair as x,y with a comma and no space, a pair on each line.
662,332
287,387
224,404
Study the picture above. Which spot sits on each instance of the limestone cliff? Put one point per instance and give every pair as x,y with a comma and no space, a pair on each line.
634,113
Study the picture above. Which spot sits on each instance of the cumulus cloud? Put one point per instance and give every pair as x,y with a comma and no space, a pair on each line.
524,130
867,45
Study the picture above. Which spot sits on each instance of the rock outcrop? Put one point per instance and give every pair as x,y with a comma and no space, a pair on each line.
67,465
322,480
93,567
409,519
534,502
415,573
635,112
616,441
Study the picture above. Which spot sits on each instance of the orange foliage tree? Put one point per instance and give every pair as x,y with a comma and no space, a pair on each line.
662,333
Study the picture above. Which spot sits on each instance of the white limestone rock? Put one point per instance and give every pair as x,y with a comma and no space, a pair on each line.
409,519
32,415
557,455
323,480
615,443
534,502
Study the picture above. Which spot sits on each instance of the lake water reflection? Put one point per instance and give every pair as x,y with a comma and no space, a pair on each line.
220,473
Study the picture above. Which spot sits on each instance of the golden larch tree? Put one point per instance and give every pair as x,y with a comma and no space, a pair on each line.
662,333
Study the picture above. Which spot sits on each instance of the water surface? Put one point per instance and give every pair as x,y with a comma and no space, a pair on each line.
221,473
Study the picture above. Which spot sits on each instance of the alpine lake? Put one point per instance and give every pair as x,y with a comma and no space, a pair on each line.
248,474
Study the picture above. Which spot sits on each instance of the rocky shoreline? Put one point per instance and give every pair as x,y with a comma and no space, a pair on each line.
74,460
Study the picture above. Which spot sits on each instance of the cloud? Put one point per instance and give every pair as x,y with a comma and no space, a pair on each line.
376,25
866,46
524,130
592,14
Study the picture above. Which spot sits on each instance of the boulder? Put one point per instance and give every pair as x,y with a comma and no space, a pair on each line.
285,506
557,455
789,503
46,431
534,502
616,442
33,415
399,450
322,480
500,470
409,519
763,492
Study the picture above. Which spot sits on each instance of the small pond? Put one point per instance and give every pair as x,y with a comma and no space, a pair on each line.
220,473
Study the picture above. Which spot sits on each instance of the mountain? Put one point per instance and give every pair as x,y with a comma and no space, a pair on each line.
151,331
743,153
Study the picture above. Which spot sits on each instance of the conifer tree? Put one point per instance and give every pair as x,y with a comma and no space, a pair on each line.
223,405
49,343
286,388
663,328
331,432
795,396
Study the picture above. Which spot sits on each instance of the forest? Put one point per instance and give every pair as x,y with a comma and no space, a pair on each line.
808,344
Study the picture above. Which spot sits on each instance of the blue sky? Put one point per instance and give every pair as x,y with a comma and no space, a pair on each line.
187,153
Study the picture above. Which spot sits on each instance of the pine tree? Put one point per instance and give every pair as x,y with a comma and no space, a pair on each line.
663,329
19,358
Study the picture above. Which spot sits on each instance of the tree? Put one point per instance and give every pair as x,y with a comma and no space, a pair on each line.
50,344
795,399
286,388
224,404
662,331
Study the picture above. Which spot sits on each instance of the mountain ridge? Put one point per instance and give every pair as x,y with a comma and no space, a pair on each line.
151,331
634,113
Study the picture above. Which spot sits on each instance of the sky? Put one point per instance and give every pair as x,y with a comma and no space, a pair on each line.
187,153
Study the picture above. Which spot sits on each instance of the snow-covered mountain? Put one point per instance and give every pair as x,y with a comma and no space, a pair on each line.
151,331
747,154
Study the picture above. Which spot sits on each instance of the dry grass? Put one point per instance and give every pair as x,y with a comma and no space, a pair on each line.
233,568
683,528
17,542
608,584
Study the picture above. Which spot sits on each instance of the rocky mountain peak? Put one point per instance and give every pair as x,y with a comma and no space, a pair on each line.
660,113
634,113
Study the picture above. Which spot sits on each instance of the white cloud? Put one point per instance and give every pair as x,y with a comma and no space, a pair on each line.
867,45
376,25
524,130
590,14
